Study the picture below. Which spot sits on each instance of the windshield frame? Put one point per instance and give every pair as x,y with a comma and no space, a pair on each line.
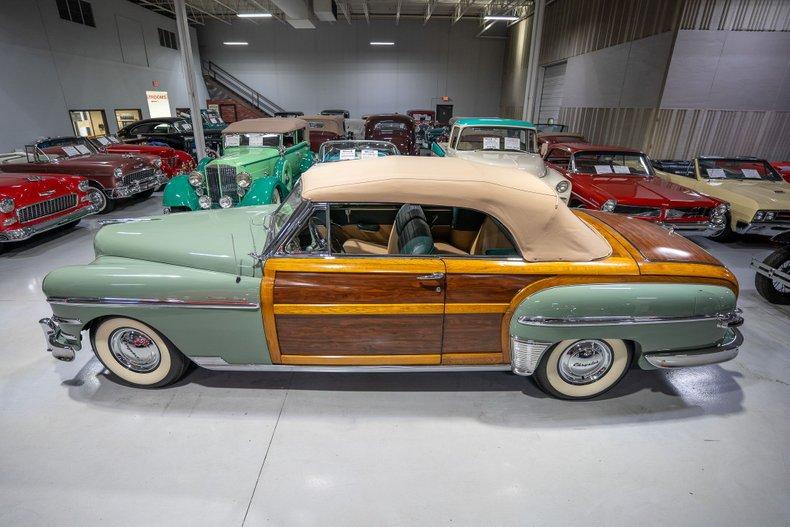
357,146
300,208
704,177
646,162
247,135
529,131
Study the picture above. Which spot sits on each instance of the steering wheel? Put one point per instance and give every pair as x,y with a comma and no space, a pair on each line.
316,241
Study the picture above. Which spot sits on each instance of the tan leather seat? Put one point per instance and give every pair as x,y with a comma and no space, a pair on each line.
490,237
354,246
446,248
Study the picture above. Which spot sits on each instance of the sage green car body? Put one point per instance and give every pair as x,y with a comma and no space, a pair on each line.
204,258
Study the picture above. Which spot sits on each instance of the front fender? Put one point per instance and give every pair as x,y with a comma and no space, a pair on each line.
260,191
201,166
179,193
306,162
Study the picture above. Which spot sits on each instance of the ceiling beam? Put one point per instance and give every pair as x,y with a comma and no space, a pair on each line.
276,16
461,8
429,10
365,10
166,10
207,13
344,7
397,13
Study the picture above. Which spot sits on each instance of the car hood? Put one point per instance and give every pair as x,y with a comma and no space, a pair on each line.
642,191
214,240
771,195
31,188
142,149
532,163
244,155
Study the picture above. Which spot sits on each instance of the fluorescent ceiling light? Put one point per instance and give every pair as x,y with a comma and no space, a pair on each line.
381,43
254,15
501,17
236,43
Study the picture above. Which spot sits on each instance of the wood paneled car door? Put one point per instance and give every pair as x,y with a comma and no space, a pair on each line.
354,310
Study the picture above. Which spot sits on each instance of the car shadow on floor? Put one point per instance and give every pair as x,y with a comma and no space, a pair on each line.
497,398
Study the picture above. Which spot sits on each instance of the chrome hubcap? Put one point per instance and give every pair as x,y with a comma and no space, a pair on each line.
585,361
778,285
134,350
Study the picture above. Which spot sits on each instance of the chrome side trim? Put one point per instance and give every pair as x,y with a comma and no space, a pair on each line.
730,319
154,302
219,364
770,272
725,351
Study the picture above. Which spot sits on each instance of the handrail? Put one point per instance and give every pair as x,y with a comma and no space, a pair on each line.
240,88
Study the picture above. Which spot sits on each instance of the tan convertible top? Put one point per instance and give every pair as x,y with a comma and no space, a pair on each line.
543,228
266,125
325,123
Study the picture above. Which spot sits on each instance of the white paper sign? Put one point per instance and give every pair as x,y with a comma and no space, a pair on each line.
103,140
370,154
512,143
603,169
491,143
255,139
232,140
114,139
750,173
619,169
70,151
347,154
82,149
158,103
716,173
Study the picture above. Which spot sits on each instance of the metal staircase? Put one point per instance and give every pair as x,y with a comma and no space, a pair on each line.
235,88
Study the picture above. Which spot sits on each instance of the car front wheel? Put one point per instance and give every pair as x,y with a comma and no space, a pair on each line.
581,369
770,288
136,353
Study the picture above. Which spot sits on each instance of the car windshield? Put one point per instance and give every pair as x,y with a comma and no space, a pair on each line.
391,126
67,147
756,169
499,138
106,140
422,117
213,118
286,209
183,126
262,140
350,150
619,163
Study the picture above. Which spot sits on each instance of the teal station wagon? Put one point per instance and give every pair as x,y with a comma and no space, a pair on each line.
263,159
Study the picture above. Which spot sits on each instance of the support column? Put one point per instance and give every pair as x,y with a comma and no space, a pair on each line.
531,88
185,46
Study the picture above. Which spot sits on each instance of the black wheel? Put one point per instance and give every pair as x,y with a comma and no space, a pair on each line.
109,206
726,234
147,194
179,209
772,290
137,354
582,369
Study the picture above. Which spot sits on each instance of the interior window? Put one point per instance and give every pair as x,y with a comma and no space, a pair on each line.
558,157
163,128
289,139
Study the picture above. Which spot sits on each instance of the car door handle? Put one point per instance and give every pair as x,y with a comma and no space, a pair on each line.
432,276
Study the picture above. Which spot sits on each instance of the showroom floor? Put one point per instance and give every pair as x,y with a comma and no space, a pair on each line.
706,446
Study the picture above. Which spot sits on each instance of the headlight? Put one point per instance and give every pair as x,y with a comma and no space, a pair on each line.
118,173
6,205
562,187
195,179
225,202
609,205
243,179
83,185
158,163
759,215
204,202
770,215
721,208
674,213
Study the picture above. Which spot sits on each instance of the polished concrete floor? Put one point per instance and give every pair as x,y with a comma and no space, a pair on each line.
707,446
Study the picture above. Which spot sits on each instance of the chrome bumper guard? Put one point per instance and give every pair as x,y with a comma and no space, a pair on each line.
525,355
725,351
23,233
768,229
771,273
135,188
694,229
60,345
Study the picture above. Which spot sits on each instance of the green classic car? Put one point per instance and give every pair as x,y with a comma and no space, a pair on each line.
262,160
397,264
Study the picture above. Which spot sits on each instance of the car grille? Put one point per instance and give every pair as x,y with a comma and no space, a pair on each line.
140,175
693,212
783,215
642,212
221,180
46,208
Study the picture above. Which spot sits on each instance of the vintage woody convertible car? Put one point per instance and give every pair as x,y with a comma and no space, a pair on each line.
445,281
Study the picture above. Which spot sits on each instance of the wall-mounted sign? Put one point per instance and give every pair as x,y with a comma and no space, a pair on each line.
158,103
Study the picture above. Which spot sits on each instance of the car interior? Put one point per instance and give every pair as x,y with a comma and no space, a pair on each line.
408,230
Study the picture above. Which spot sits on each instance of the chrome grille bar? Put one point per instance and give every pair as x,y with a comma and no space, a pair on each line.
140,175
46,208
221,181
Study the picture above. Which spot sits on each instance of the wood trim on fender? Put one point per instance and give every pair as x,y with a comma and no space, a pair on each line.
472,358
267,312
359,309
361,360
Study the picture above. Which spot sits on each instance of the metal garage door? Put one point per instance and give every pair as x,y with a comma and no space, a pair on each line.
551,92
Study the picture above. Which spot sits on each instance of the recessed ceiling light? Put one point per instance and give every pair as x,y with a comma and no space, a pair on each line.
236,43
501,17
381,43
254,15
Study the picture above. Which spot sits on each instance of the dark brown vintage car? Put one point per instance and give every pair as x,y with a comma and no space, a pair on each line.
117,175
398,129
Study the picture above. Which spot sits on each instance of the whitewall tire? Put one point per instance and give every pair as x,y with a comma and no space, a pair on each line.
583,368
136,353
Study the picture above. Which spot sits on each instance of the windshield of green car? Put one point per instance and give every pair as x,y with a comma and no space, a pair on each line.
496,138
262,140
286,209
614,163
755,169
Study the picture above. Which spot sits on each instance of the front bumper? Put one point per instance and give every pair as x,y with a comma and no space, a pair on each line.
63,347
703,228
726,350
23,233
125,191
764,228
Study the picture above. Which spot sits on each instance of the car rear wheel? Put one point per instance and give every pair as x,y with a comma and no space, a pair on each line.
581,369
136,353
769,288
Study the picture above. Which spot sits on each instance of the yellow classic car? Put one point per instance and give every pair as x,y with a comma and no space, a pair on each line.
758,196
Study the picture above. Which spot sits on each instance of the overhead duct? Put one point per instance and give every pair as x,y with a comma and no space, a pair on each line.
297,13
325,10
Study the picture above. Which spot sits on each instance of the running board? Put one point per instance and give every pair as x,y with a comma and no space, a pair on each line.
219,364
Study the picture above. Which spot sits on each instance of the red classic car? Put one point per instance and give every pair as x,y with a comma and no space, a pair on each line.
324,128
34,203
546,139
622,180
783,167
174,161
396,128
117,175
